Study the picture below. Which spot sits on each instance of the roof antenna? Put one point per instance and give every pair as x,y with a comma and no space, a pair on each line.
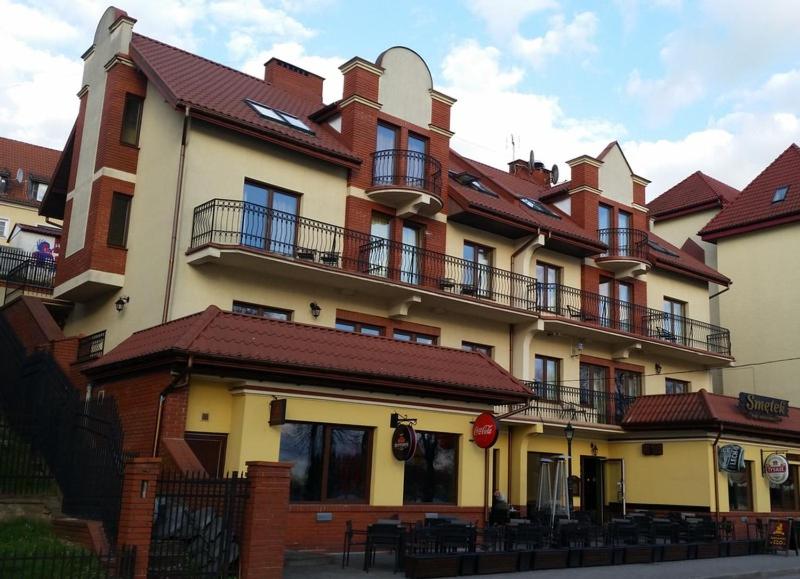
513,147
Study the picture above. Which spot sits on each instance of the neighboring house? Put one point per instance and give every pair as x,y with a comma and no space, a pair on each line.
41,240
25,172
188,188
757,238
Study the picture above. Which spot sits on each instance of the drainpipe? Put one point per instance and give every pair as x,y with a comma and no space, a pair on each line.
180,381
712,296
486,486
716,471
176,217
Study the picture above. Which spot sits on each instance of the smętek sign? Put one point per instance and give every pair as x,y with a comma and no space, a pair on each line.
763,407
776,469
485,430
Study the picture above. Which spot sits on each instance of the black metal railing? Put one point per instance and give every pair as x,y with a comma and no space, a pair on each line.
197,527
624,242
256,228
91,346
577,404
31,276
11,257
23,471
412,169
67,563
616,315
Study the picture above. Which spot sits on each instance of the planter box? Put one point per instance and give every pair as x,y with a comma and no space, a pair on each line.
469,563
550,559
497,562
738,548
525,560
574,557
640,554
597,556
618,558
427,566
676,552
706,550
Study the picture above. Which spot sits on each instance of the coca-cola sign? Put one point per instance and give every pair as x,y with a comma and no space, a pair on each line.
485,430
404,442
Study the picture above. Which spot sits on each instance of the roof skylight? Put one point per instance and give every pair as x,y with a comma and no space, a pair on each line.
780,194
279,116
660,248
538,206
472,182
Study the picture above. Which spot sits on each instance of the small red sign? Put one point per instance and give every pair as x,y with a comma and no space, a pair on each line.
485,430
404,442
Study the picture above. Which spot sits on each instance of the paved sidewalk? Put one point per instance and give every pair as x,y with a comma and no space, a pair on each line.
751,567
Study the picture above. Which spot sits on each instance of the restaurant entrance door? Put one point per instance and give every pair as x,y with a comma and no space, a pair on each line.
603,487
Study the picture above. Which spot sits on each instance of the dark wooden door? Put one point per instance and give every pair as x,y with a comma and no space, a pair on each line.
209,447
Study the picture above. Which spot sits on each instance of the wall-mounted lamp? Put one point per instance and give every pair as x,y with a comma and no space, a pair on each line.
594,448
316,310
658,368
121,302
578,348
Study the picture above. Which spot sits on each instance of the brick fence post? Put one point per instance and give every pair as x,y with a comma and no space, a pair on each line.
138,503
265,518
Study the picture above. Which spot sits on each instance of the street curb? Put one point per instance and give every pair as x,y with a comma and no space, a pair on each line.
795,572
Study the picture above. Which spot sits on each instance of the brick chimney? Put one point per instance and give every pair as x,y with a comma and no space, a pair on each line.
537,174
293,79
584,191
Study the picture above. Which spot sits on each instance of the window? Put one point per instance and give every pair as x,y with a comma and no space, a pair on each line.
4,227
628,383
131,119
784,497
472,181
431,475
487,351
262,311
359,328
330,463
410,254
37,190
546,375
604,301
547,279
378,246
269,218
477,277
538,206
384,169
279,116
780,194
3,182
674,320
593,385
625,297
415,165
740,489
118,222
417,337
676,386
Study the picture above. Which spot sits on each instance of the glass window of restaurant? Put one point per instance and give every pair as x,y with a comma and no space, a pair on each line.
784,497
740,489
431,475
330,462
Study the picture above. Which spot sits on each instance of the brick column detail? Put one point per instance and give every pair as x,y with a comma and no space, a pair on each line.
136,514
265,518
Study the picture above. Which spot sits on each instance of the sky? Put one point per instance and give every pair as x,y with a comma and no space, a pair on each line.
710,85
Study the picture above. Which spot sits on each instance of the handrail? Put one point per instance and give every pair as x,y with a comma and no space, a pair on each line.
624,242
402,168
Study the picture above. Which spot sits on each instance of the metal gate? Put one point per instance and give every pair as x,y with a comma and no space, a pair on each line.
197,526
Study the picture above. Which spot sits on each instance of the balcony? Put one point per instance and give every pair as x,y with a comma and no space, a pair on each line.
627,251
30,276
409,181
572,404
242,234
587,313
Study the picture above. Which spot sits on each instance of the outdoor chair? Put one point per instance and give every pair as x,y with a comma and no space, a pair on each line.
383,537
454,538
352,538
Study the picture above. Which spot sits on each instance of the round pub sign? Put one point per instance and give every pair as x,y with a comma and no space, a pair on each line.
404,442
485,430
776,467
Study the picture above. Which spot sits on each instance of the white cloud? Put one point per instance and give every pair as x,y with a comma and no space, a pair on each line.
253,16
503,17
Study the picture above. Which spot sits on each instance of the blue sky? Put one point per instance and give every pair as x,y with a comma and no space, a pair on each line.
710,85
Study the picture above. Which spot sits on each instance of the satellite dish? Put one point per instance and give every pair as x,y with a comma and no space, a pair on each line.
531,160
20,176
554,174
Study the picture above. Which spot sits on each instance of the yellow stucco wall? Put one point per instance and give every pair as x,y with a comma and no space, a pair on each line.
19,214
679,229
695,294
615,177
761,311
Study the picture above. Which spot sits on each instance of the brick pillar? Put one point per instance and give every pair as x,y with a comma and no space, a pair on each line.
265,518
136,515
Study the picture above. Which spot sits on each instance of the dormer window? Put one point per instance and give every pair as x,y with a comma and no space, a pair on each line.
37,190
780,194
279,116
472,182
3,183
538,206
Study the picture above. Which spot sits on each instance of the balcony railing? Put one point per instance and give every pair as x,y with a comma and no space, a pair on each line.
607,313
624,242
91,347
412,169
31,276
259,229
577,404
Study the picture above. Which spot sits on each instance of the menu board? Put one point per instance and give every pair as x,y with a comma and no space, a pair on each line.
778,533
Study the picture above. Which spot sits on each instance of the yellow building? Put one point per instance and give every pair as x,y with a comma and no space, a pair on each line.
187,187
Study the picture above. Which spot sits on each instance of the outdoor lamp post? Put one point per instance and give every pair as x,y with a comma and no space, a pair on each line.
569,434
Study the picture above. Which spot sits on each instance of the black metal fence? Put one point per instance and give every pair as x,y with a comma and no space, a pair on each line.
624,242
224,222
198,526
23,471
67,564
30,276
91,347
401,168
80,440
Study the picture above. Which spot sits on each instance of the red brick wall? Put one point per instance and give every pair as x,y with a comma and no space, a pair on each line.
360,82
440,114
304,532
639,194
293,79
585,174
26,327
359,123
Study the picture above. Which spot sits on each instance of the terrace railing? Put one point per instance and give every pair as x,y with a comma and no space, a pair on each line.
256,228
412,169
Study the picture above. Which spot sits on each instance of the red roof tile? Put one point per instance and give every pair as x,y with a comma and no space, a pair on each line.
754,209
221,92
683,260
697,191
214,334
36,162
701,408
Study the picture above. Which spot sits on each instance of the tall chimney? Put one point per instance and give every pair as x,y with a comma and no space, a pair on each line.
293,79
537,174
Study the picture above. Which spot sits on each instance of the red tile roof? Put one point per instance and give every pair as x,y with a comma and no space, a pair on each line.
278,346
701,409
219,91
40,229
754,209
695,193
683,260
36,162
